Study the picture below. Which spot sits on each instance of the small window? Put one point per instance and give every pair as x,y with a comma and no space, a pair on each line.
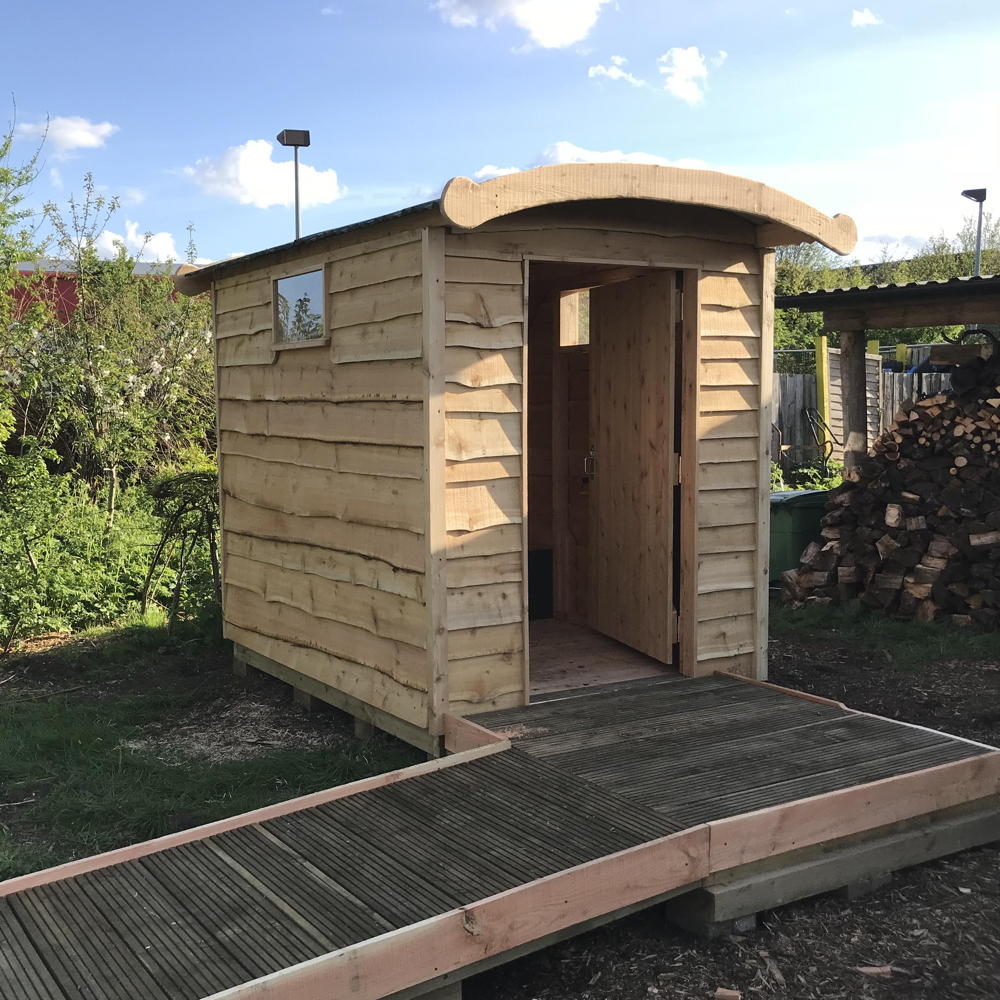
298,308
574,318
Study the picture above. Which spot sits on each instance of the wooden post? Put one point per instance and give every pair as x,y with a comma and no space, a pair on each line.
853,373
872,348
902,353
823,391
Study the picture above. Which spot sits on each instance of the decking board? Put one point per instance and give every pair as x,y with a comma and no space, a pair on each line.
590,778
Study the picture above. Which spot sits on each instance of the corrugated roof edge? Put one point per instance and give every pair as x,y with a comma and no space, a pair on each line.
820,296
199,280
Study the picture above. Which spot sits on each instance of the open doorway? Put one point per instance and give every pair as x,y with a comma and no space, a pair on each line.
603,443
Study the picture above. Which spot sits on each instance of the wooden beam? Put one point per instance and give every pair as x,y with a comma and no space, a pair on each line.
421,952
740,840
853,373
688,409
823,388
468,204
464,734
762,593
912,315
435,521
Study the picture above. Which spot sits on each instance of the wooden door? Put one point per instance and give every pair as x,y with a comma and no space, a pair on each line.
632,372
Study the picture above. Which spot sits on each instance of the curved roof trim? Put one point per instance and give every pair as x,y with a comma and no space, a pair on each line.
469,205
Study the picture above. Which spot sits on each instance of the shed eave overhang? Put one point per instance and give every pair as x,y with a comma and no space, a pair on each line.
782,220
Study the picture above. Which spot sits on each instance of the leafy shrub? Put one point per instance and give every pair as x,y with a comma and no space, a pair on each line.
815,476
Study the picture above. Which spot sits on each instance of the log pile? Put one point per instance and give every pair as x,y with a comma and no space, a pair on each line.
916,532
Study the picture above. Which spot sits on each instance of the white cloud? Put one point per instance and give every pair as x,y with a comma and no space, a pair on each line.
684,73
250,175
865,18
616,71
55,175
492,170
719,59
133,196
67,134
158,247
890,199
552,24
567,152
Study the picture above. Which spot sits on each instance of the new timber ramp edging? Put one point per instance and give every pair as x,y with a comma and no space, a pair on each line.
392,882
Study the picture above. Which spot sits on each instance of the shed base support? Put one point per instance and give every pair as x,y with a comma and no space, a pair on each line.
853,866
361,710
363,731
304,699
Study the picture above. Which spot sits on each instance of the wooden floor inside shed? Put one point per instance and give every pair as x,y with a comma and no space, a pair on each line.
600,800
567,657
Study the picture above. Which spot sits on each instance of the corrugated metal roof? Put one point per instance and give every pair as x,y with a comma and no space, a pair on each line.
925,290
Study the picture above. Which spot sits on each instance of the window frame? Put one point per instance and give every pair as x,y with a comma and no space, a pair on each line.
295,271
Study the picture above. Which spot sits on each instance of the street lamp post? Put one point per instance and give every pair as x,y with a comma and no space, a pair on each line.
977,195
296,138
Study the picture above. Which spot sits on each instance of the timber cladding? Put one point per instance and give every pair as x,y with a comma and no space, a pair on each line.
322,468
375,479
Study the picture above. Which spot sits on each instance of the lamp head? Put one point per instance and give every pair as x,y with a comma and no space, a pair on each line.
973,194
300,137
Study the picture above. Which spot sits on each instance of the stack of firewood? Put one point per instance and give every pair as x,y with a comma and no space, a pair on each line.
916,530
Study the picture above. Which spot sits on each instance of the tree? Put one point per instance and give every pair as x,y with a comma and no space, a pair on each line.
127,381
805,268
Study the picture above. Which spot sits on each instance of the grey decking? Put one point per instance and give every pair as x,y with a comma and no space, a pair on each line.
588,776
195,919
700,750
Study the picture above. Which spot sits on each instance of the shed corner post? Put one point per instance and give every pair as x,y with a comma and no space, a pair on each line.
690,408
435,526
763,565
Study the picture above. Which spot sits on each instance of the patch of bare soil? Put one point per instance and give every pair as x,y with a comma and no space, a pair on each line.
932,933
252,725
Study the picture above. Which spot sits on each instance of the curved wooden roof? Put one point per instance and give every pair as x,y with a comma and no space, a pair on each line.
468,204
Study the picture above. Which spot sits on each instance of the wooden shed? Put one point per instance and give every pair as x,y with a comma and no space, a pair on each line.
511,440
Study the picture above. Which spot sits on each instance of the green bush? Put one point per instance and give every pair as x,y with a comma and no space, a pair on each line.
815,476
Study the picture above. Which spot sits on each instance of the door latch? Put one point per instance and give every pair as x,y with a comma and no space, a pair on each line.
590,464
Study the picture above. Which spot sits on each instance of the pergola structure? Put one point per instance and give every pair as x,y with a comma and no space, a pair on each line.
851,312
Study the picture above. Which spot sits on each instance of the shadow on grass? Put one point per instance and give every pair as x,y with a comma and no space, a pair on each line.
73,783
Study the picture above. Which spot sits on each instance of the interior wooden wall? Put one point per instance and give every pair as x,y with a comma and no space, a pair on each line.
733,422
321,464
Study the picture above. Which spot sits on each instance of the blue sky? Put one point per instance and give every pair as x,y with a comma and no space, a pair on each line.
884,112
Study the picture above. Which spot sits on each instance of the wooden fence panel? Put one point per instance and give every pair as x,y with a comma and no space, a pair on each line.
795,394
898,387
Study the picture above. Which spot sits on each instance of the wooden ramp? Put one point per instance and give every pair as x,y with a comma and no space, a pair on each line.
566,811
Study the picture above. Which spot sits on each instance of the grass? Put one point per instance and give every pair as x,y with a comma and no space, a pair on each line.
89,791
902,643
